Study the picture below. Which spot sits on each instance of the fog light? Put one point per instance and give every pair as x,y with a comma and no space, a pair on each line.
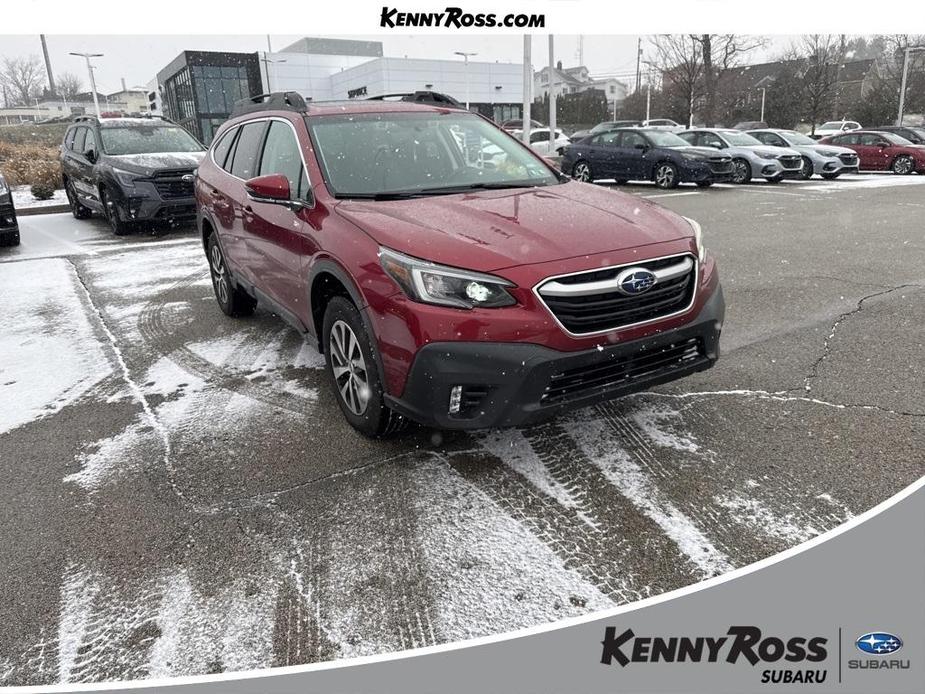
455,399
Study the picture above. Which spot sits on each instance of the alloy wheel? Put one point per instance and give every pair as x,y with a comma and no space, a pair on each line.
903,165
739,171
219,275
664,176
807,171
582,172
349,367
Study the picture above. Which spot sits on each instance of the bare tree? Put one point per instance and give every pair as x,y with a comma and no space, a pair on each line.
69,85
823,55
681,58
22,78
720,53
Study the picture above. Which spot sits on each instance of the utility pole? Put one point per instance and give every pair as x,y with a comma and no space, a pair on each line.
552,98
271,61
902,88
528,83
764,91
87,56
466,60
51,75
638,59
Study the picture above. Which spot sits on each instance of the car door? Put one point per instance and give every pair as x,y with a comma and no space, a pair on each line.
633,163
874,151
88,176
77,167
279,235
244,161
601,152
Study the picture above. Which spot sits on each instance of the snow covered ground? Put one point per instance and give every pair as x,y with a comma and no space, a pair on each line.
23,198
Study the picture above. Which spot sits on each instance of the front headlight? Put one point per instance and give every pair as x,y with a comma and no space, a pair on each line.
829,153
698,238
446,286
126,178
693,157
769,155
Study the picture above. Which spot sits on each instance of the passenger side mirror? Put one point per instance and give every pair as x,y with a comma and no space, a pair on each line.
641,146
272,188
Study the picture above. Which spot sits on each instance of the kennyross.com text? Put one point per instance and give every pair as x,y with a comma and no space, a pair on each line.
457,18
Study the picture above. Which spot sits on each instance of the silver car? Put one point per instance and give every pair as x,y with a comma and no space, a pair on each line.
829,161
750,158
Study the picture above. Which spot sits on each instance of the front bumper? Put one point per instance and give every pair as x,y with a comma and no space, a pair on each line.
513,384
135,208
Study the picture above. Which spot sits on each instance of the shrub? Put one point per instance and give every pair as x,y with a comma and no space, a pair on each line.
42,191
28,165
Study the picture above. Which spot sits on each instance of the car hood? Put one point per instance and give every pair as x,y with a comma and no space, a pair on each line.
150,163
491,230
824,148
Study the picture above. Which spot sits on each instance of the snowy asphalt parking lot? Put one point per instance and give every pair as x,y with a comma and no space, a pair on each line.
181,494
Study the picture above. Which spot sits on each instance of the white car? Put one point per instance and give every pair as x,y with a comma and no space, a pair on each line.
539,142
834,127
663,124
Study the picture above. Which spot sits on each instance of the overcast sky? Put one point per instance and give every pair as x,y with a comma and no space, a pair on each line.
138,58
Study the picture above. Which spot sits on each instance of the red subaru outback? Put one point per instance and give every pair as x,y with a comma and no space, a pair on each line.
450,275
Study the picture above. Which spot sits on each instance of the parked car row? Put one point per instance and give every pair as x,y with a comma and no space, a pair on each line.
668,159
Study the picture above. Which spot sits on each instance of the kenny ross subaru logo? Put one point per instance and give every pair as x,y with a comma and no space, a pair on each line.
635,280
879,643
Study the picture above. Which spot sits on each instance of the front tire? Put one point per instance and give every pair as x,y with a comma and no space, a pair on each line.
666,176
741,171
233,300
806,172
350,357
119,227
903,165
77,209
582,172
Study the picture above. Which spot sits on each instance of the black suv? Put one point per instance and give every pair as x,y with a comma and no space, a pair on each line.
9,228
130,170
915,135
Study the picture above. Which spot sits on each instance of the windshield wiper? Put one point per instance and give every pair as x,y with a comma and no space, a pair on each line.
388,195
448,190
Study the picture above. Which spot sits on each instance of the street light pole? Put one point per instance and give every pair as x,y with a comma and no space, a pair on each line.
648,89
528,84
763,92
902,89
466,59
552,98
87,56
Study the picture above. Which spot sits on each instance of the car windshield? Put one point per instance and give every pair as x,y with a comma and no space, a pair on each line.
148,139
405,154
831,125
601,127
661,138
795,138
739,139
896,139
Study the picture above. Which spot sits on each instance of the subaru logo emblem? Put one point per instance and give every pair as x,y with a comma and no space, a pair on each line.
879,643
635,280
187,178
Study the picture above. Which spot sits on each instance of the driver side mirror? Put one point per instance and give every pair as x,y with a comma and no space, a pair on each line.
274,189
641,147
90,154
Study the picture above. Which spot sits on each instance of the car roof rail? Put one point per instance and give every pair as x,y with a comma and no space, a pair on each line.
420,97
85,119
275,101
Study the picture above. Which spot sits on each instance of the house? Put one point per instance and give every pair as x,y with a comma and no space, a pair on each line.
574,80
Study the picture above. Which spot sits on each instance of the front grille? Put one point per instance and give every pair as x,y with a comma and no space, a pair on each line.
170,184
610,309
592,378
791,162
848,159
721,166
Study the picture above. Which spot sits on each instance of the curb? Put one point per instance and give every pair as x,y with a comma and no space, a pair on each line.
41,209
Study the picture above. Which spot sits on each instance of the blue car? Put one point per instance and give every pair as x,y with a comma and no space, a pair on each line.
641,154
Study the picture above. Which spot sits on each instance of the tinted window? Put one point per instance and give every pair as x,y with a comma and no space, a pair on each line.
690,138
245,153
69,138
610,138
281,156
539,137
847,139
631,139
770,139
871,139
220,151
90,142
79,140
711,140
144,139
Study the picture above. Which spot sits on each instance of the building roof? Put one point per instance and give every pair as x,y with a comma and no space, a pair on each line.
326,46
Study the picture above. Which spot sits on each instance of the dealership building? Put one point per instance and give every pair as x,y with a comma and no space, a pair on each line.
198,88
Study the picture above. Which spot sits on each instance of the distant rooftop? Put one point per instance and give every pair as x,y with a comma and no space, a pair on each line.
323,46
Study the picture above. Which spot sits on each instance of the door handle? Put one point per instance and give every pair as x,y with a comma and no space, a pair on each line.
247,213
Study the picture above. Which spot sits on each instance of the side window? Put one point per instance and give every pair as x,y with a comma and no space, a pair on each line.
221,149
871,139
610,139
711,140
79,140
631,139
690,138
769,139
541,136
69,138
90,142
848,140
281,156
245,153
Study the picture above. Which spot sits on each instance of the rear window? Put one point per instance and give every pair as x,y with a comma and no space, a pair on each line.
247,149
78,143
221,149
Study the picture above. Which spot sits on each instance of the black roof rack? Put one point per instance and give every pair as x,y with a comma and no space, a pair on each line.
81,119
421,97
277,101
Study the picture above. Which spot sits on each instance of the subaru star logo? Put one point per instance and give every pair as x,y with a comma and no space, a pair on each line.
635,280
879,643
187,178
